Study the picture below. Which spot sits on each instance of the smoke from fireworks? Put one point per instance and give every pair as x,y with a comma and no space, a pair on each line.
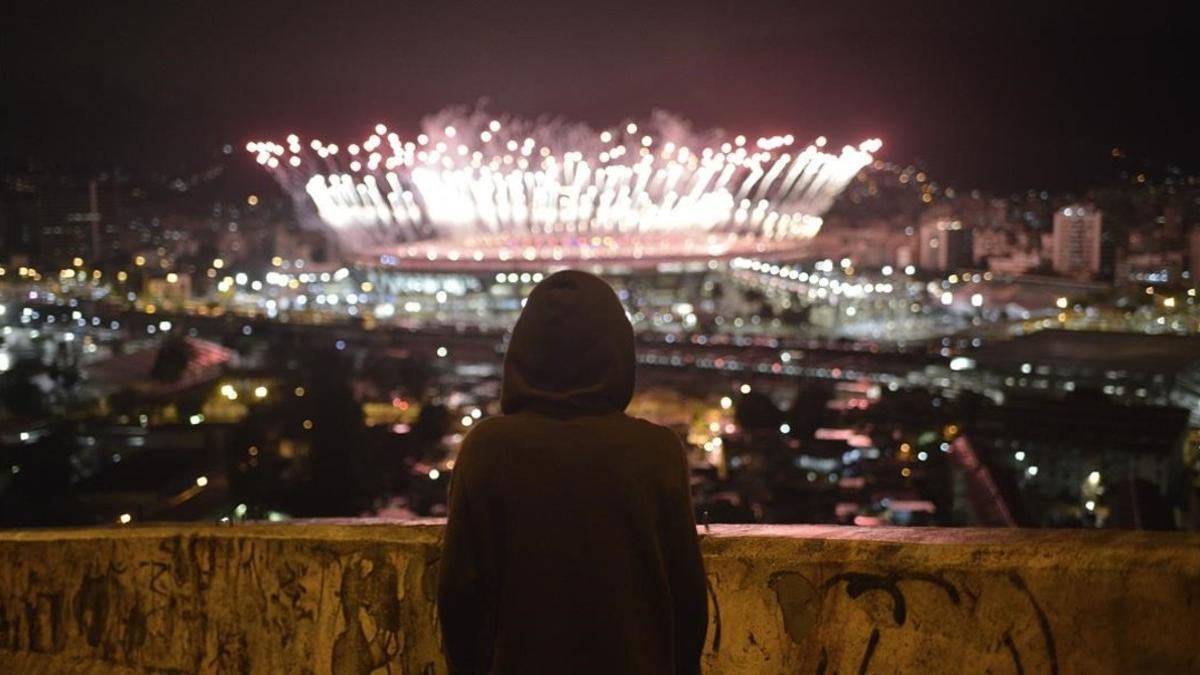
477,186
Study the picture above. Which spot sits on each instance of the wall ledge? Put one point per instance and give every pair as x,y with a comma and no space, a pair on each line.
357,596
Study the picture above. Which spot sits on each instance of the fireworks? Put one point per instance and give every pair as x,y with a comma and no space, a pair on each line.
471,187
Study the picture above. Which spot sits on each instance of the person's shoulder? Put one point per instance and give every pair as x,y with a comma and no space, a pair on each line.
499,431
646,426
662,437
488,429
478,449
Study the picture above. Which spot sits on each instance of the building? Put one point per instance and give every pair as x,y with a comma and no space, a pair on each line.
1194,253
1077,233
875,244
945,244
989,242
1016,263
1129,368
51,219
20,231
1151,268
997,213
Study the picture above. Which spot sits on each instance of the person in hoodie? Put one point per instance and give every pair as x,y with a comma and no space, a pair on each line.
571,545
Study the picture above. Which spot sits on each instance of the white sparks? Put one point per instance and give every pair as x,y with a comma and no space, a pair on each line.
555,190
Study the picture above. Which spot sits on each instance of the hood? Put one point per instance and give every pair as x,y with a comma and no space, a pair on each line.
571,352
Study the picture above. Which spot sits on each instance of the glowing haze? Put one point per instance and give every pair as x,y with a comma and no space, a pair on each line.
474,187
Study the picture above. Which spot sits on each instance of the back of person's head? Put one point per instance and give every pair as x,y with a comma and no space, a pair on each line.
571,351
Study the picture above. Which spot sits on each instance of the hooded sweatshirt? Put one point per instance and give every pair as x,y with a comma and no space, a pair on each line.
571,545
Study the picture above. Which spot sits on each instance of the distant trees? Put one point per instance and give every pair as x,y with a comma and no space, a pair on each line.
340,476
23,389
756,413
40,493
810,407
174,355
334,474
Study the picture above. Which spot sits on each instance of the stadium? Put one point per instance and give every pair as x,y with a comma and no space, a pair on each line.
474,192
455,224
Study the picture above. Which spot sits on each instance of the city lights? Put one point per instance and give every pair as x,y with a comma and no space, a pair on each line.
371,317
807,316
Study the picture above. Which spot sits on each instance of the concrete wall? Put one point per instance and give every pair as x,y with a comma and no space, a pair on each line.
357,598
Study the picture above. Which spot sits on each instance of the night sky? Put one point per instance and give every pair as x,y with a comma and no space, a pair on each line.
1009,96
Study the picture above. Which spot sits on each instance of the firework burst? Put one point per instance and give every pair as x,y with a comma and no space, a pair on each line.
476,187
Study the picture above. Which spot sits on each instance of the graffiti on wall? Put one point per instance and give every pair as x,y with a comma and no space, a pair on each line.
206,603
890,620
192,604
